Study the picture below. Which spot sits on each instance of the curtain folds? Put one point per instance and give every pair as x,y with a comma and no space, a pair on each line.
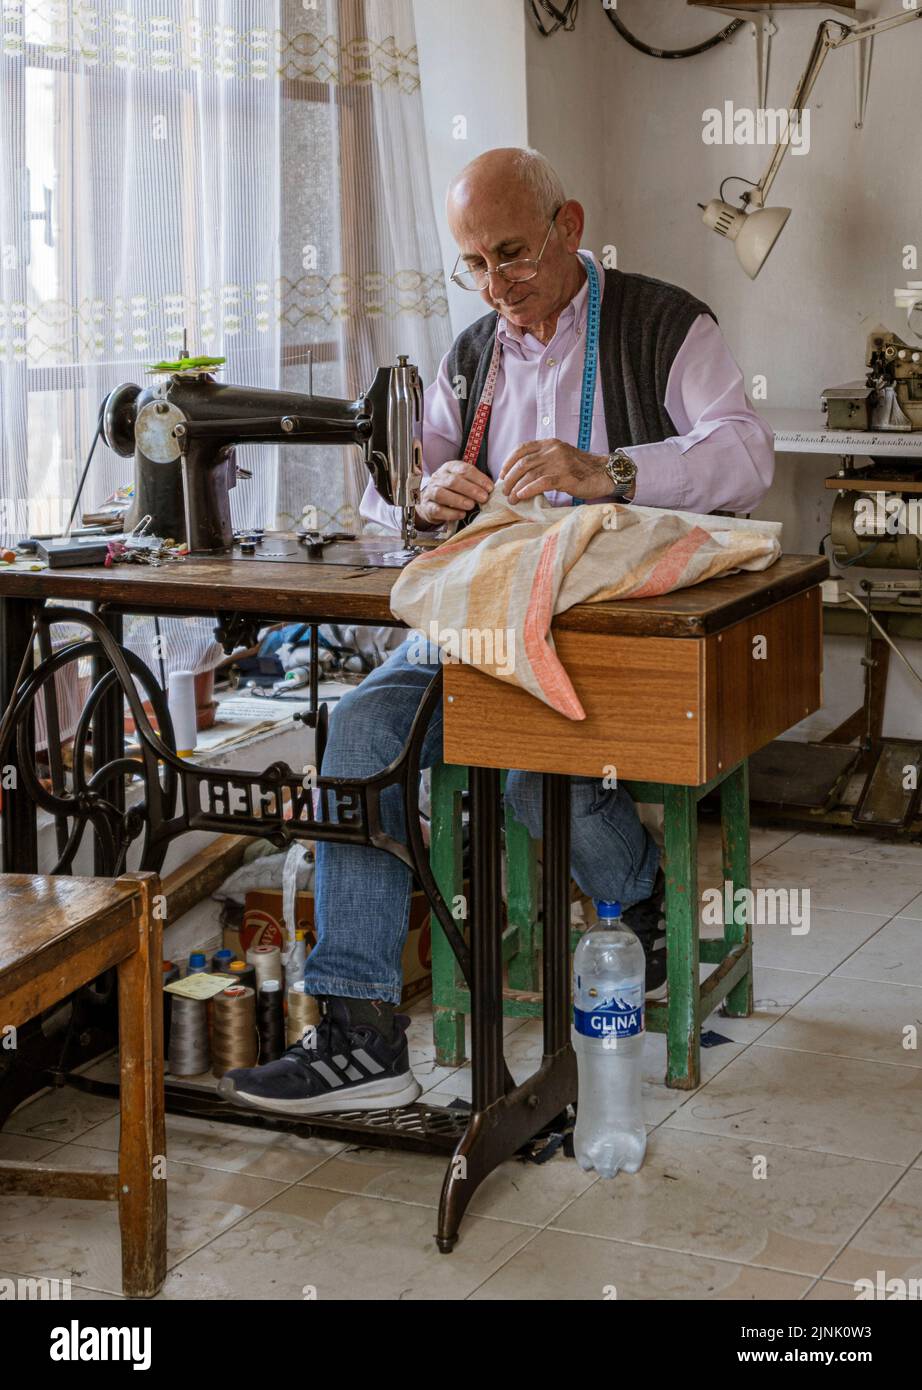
250,171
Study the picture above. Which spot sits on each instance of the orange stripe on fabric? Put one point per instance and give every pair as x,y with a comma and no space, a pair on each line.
668,570
548,672
453,547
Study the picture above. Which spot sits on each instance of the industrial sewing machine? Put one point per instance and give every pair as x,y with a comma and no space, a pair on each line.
875,517
182,432
890,397
876,524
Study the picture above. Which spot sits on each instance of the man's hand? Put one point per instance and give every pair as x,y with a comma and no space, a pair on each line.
451,492
549,465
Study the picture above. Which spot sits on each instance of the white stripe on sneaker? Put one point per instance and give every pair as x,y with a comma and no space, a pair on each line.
360,1055
327,1072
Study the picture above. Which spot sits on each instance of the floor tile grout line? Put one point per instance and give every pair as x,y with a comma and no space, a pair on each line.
836,1056
567,1204
285,1187
744,1046
796,1148
212,1167
870,1214
420,1206
499,1268
662,1249
690,1254
21,1274
754,1042
829,973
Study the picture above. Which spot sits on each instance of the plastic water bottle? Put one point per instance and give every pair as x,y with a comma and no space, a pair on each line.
608,1034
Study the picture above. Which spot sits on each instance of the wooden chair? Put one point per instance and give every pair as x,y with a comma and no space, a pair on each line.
57,934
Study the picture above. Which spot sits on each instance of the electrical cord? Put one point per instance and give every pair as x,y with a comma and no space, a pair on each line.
651,52
86,469
735,178
563,18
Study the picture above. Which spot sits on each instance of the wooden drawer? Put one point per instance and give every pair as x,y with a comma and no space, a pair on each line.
663,709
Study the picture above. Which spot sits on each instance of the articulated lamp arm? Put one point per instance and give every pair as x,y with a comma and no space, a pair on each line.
755,228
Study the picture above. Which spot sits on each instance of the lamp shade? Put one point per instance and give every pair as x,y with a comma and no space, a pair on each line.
754,233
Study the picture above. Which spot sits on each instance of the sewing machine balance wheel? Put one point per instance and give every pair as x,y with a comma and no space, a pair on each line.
118,418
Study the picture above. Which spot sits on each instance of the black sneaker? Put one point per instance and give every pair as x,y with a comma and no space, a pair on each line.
647,920
337,1066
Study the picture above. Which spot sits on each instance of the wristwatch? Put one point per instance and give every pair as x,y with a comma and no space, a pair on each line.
622,470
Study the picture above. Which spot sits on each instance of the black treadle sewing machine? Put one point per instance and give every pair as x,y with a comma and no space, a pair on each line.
182,432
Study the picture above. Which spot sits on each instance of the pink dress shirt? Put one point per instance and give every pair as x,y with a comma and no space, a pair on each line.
721,458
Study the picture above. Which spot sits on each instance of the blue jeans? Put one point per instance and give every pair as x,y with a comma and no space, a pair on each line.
363,895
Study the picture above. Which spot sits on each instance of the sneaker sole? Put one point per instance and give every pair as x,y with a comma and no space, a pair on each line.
372,1095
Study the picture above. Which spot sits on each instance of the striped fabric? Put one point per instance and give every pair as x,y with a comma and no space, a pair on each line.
488,596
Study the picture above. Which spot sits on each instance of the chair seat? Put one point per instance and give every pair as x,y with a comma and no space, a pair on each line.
47,922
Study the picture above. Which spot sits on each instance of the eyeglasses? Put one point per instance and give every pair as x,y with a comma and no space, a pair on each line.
523,269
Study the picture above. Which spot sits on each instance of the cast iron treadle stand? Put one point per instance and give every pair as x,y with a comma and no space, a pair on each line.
504,1116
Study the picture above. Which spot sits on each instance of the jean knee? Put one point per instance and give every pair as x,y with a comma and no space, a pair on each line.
360,739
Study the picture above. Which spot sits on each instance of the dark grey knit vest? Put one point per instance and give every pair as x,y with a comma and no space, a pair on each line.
643,324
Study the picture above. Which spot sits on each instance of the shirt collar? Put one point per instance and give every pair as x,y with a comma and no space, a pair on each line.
574,314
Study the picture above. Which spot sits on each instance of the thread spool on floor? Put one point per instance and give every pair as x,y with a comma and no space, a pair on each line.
235,1042
270,1022
243,974
303,1012
189,1052
170,973
267,962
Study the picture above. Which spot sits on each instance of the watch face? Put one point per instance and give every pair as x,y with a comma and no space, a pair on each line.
622,469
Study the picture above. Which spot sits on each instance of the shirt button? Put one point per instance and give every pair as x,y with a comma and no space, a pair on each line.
552,361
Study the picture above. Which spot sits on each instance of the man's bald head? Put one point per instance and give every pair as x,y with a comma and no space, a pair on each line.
525,173
504,206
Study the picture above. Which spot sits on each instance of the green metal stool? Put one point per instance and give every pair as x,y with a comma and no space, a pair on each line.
689,1001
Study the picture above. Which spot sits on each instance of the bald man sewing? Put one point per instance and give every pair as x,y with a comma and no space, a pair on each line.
666,423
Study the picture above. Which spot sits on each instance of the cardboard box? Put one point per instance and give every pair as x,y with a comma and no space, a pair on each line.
263,926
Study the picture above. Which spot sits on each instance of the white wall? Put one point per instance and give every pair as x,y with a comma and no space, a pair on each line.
472,63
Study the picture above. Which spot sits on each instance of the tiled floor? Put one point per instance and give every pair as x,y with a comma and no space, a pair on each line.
793,1171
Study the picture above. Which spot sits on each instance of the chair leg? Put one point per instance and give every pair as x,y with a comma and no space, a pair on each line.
734,830
142,1143
683,1036
446,856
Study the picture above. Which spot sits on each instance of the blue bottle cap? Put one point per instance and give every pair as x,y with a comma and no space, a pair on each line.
607,910
197,958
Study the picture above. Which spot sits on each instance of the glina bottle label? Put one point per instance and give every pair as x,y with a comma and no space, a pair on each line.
600,1014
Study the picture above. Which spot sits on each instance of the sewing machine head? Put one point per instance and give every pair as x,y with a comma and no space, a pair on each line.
890,397
183,429
891,363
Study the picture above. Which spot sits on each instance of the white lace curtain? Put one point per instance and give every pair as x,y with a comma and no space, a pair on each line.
251,171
